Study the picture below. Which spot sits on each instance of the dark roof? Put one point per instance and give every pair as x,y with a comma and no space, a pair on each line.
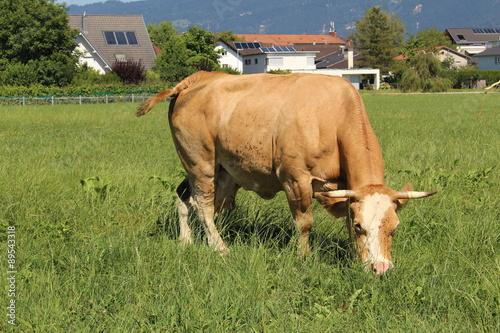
336,60
322,48
473,35
494,51
97,24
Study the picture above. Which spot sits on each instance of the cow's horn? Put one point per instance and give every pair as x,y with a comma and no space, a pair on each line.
413,194
339,194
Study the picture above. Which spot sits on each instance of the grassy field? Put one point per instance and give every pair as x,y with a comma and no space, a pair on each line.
87,192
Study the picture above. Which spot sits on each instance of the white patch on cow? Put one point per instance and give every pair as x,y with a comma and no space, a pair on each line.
374,210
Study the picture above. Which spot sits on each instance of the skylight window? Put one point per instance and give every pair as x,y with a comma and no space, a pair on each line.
120,38
461,37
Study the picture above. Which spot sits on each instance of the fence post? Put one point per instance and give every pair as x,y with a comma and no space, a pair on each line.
106,98
133,98
52,99
24,102
80,99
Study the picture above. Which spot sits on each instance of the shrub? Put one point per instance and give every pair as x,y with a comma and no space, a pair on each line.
280,71
229,70
385,86
130,71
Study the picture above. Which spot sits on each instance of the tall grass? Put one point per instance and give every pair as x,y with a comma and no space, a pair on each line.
90,192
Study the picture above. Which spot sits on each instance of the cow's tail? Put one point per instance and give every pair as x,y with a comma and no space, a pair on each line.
151,103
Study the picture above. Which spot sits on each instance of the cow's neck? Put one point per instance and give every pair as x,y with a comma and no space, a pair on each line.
362,162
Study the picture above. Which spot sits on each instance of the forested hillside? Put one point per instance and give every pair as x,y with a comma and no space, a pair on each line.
300,16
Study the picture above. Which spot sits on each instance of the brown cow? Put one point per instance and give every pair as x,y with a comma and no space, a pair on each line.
305,134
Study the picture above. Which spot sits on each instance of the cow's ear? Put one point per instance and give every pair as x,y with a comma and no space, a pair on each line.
336,206
402,202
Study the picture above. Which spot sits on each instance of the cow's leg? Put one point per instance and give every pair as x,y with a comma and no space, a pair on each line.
204,200
206,213
299,195
185,207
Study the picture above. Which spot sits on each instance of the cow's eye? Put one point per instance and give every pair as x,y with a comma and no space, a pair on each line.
358,228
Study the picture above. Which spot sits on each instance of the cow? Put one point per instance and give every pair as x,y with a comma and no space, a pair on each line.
305,134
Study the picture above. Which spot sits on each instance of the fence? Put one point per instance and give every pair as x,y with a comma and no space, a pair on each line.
101,98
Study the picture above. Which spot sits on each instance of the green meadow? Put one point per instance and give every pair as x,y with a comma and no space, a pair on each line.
88,230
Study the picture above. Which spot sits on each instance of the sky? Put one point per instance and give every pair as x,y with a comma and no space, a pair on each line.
85,2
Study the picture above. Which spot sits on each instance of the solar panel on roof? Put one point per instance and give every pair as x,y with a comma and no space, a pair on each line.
246,46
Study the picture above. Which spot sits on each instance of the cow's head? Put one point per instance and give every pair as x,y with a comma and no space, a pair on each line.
372,219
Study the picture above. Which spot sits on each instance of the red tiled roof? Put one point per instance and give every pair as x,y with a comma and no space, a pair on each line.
283,40
157,49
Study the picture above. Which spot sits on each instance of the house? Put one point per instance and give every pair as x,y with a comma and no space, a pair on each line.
104,39
305,54
256,57
473,40
445,53
489,59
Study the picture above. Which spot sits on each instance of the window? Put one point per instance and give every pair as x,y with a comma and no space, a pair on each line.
248,62
497,60
275,61
120,38
461,37
256,61
120,57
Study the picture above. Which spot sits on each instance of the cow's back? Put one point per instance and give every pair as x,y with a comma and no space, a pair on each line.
258,127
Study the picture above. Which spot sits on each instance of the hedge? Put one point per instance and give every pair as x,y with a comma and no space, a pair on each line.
89,90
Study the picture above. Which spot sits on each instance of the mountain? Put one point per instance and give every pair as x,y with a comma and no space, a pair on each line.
301,16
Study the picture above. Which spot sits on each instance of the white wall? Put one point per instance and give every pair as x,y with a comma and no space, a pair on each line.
472,49
263,63
353,75
230,58
88,57
458,61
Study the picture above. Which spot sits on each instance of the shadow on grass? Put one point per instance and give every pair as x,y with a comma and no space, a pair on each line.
269,225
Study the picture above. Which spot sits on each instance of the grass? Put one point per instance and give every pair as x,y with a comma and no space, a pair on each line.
96,234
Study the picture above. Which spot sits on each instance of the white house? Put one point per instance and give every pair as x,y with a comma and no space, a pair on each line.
445,53
489,59
473,40
253,57
104,39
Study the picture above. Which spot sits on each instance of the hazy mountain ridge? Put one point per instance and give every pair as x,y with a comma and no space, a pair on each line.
300,16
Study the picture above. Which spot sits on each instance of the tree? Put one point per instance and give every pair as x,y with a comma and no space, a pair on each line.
427,40
36,38
200,42
423,74
379,36
228,36
170,64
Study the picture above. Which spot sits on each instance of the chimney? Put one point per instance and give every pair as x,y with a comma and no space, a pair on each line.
332,31
350,58
84,23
